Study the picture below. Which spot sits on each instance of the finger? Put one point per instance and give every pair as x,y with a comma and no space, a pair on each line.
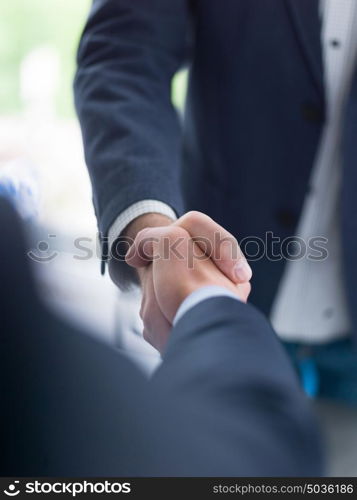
156,326
244,291
141,252
218,244
156,331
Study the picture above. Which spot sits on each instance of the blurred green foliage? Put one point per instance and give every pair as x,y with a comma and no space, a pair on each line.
27,24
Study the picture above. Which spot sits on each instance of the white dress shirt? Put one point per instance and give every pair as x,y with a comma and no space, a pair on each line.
310,305
134,211
204,293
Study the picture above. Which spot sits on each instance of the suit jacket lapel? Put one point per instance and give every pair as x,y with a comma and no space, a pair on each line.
305,18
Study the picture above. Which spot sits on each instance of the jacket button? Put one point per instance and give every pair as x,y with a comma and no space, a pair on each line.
312,112
287,218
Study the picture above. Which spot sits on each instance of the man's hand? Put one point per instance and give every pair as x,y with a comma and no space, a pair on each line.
130,232
155,321
215,241
177,259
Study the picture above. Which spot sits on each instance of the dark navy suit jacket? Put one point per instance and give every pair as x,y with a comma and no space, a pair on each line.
254,115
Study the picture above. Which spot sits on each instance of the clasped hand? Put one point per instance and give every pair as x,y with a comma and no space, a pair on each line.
175,260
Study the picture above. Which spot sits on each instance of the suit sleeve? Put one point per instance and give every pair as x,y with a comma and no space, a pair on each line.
230,385
127,56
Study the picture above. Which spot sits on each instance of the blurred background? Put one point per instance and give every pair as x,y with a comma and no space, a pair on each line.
42,164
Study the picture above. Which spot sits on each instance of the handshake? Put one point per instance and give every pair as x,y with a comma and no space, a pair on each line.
174,259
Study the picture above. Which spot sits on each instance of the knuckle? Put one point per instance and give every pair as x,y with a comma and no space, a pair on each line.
141,312
246,291
146,319
143,233
193,217
176,232
147,336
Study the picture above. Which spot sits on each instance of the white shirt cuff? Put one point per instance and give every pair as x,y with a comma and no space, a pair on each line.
134,211
206,292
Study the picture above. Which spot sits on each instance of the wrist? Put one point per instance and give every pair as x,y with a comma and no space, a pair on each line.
143,221
121,274
137,225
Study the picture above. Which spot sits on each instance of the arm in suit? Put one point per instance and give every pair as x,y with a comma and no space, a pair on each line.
128,54
228,378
